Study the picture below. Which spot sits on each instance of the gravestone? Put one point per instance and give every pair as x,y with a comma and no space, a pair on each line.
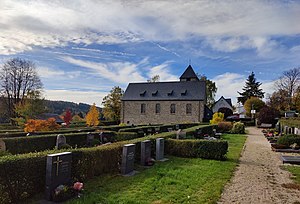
170,129
157,129
140,132
286,130
2,145
297,131
60,141
160,149
89,139
58,171
145,152
149,130
106,137
177,127
128,160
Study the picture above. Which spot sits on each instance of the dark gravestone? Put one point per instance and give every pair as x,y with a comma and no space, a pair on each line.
160,149
170,129
176,127
89,139
60,141
157,129
128,159
286,130
106,137
2,145
149,131
58,171
145,152
140,132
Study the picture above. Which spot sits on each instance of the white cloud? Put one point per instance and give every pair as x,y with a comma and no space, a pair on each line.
26,24
46,72
119,72
88,97
163,72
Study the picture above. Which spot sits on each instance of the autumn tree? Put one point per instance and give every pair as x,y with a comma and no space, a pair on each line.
41,125
211,90
68,117
278,100
92,117
112,104
290,83
251,89
18,77
77,118
253,103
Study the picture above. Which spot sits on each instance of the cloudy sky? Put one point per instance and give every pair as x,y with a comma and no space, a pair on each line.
82,48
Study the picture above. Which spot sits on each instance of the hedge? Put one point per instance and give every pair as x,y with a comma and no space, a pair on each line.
22,176
21,145
289,140
207,149
290,122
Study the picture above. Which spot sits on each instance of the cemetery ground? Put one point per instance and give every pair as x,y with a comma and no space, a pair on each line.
179,180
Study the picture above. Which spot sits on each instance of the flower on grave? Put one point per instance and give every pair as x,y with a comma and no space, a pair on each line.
60,189
78,186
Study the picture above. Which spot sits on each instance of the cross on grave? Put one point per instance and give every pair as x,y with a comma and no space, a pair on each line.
57,162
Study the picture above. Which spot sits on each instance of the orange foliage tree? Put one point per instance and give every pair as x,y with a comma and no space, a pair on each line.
41,125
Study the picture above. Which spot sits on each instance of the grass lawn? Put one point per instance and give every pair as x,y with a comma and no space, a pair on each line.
179,180
295,170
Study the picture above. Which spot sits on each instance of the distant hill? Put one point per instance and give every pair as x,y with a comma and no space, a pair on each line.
59,107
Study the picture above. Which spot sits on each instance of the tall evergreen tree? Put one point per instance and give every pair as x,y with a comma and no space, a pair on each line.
251,88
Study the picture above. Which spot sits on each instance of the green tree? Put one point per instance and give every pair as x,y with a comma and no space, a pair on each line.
31,106
253,103
278,100
154,79
211,90
251,89
112,104
92,117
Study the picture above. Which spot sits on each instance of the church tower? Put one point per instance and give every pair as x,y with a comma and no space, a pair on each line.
189,75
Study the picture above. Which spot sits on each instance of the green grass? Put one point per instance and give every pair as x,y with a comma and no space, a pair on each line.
179,180
295,170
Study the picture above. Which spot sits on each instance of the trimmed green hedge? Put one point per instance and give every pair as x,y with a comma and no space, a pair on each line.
22,176
207,149
291,122
289,140
21,145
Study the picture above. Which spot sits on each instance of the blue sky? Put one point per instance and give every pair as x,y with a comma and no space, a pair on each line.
82,48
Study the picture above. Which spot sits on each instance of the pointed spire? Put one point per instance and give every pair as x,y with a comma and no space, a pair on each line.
189,75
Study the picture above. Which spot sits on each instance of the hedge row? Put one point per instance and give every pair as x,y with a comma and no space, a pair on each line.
207,149
290,122
22,176
288,140
21,145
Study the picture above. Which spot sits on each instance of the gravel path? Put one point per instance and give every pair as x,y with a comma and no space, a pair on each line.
259,178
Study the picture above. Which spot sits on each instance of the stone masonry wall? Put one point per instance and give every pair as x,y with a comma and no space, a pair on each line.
131,112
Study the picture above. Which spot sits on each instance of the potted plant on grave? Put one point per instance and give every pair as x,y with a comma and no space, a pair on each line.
65,192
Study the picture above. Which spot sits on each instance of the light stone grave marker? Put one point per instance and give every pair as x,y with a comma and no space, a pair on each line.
145,152
60,141
2,145
160,149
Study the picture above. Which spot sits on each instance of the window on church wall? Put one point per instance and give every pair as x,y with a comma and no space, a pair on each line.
172,108
143,108
188,108
157,108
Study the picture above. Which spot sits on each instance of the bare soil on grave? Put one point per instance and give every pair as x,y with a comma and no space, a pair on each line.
259,177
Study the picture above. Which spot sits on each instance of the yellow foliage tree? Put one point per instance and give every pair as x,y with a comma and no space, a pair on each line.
254,103
217,117
92,117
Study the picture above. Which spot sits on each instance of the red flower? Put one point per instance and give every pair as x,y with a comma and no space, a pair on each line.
78,186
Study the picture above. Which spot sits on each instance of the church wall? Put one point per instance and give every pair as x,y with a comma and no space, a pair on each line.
131,112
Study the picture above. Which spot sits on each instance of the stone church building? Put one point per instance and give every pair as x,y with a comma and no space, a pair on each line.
165,102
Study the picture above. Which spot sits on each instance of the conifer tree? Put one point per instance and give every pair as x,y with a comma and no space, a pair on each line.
92,117
251,89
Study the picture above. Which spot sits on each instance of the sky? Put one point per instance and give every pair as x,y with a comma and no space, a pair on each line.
83,48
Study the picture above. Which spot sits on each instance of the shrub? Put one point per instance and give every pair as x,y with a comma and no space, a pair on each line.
227,111
267,115
224,126
217,117
238,128
65,146
289,140
41,125
208,149
254,103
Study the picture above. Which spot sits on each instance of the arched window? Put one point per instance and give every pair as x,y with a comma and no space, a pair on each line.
143,108
157,108
172,108
189,108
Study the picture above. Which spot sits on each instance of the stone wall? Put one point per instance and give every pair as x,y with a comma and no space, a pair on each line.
131,112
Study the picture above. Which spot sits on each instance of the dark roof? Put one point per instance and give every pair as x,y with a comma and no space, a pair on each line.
46,116
181,90
189,73
228,100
